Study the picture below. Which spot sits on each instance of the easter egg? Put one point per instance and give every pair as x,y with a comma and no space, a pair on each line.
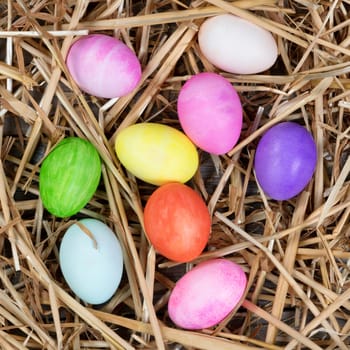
210,112
69,176
205,295
236,45
103,66
91,260
156,153
177,222
285,160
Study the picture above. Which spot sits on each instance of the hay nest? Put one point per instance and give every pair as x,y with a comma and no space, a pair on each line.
295,253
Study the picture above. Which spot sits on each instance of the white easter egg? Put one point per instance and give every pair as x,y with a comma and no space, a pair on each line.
91,260
236,45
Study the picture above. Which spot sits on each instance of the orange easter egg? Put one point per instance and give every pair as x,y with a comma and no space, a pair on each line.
177,222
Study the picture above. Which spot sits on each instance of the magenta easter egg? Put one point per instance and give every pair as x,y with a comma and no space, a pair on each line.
103,66
285,160
205,295
210,112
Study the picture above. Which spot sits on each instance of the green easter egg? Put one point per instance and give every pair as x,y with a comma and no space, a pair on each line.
69,176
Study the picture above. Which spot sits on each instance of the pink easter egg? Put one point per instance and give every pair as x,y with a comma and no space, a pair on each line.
103,66
205,295
210,112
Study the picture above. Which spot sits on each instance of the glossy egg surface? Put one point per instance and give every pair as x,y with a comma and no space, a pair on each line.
285,160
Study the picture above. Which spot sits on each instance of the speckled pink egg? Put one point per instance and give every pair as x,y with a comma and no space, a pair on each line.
210,112
103,66
205,295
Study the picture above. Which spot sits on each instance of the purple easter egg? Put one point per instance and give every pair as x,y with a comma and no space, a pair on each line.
285,160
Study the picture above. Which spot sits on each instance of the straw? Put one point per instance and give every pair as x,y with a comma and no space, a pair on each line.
295,253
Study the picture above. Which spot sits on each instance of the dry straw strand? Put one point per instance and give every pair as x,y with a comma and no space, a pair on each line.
296,253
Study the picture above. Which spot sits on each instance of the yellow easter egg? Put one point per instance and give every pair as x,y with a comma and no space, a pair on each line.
157,153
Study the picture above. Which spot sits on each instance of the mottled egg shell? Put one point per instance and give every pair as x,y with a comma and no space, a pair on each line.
285,160
177,222
210,112
91,260
205,295
103,66
69,176
156,153
236,45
